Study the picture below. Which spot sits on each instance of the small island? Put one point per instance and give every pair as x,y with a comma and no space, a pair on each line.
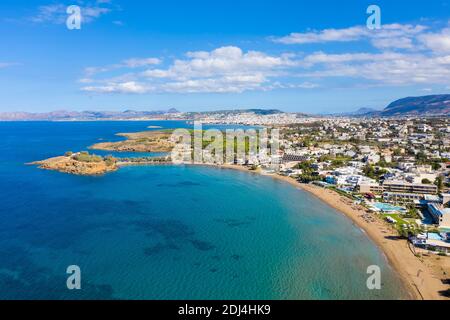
81,163
146,141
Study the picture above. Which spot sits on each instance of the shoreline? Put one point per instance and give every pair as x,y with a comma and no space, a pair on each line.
417,277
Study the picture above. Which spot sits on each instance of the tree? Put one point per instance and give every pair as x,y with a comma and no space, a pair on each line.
426,181
110,160
307,178
439,183
402,231
421,157
436,166
412,212
369,171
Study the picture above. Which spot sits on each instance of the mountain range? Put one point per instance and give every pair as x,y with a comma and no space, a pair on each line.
433,105
424,106
64,115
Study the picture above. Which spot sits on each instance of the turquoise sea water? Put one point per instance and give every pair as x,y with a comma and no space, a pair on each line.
169,232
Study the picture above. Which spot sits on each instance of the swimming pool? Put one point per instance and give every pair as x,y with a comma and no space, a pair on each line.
435,236
385,207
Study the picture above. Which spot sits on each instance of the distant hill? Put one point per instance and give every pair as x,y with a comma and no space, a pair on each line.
236,111
64,115
363,111
255,111
359,112
264,112
423,106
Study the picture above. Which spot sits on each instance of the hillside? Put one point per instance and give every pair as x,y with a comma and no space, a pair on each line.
426,105
64,115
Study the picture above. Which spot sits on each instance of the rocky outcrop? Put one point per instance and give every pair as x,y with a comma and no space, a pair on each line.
68,164
147,141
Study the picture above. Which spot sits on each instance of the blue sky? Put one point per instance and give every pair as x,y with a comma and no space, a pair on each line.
304,56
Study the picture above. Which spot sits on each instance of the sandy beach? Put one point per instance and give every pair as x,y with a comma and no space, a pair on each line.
422,276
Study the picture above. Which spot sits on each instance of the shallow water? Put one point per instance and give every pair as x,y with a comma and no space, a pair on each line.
169,232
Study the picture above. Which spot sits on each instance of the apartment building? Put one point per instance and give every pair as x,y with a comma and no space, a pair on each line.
440,215
405,187
393,197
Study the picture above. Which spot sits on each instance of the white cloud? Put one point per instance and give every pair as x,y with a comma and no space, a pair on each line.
437,42
401,55
384,68
406,55
118,23
125,87
88,14
327,35
400,43
56,13
136,62
223,61
227,84
389,36
226,69
132,63
7,64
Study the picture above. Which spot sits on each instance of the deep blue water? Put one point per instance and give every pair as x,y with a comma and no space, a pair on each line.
169,232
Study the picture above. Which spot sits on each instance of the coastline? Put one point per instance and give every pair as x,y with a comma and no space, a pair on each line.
417,277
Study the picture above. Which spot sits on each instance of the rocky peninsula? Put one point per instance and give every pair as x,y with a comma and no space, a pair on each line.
81,163
146,141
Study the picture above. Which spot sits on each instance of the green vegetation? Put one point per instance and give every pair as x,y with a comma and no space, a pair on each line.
385,164
407,230
305,166
406,227
439,183
238,144
374,172
436,166
412,213
308,178
84,156
335,162
308,174
144,160
110,160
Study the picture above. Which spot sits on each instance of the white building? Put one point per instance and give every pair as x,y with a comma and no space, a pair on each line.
440,215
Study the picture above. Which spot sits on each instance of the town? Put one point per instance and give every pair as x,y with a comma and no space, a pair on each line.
394,167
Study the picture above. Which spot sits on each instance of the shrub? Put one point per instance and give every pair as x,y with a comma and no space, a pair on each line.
86,157
110,160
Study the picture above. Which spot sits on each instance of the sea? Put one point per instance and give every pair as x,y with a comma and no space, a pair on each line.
168,232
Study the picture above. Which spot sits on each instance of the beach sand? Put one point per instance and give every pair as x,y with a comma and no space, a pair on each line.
422,276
